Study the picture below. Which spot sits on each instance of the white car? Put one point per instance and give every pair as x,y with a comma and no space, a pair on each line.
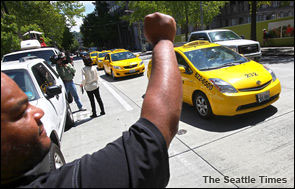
230,39
44,53
45,90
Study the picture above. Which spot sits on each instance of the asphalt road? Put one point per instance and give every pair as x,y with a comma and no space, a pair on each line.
250,150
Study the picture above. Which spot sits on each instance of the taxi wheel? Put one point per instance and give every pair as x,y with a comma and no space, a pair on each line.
202,105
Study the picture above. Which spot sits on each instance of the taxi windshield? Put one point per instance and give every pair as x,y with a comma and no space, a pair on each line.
122,56
223,36
93,54
101,55
214,58
23,80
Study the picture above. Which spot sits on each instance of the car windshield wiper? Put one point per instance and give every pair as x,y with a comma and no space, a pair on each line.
228,64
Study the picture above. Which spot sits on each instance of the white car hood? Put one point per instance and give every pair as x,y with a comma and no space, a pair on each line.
238,42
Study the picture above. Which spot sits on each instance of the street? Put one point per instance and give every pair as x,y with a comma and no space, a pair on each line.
251,150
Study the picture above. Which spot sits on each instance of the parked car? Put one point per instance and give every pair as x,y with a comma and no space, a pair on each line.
121,62
44,53
93,56
230,39
219,81
100,57
45,90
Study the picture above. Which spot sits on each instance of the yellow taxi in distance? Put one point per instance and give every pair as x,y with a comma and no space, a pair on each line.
100,57
219,81
121,62
93,56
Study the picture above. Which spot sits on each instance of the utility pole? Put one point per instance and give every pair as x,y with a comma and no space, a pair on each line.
201,12
253,20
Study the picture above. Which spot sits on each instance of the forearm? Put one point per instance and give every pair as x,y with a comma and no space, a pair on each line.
163,99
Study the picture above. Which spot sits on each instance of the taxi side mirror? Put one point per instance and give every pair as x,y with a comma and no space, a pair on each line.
137,55
182,69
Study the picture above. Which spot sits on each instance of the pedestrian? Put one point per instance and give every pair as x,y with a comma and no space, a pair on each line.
67,72
139,158
90,82
265,37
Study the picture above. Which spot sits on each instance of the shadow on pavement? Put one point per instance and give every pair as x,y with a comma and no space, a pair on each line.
225,123
110,79
276,59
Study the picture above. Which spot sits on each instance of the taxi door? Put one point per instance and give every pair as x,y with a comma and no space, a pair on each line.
188,79
107,63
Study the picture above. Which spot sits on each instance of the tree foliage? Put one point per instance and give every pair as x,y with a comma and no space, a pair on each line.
184,12
100,28
51,18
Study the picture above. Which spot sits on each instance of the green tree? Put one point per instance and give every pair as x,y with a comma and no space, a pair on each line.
9,38
70,10
184,12
44,16
100,28
67,39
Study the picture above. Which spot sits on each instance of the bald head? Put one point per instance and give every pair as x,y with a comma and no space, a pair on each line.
22,144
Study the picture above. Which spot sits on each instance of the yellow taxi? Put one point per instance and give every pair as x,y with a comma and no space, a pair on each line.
100,57
219,81
93,56
121,62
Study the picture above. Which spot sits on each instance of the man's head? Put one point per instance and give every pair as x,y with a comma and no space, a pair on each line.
61,59
24,141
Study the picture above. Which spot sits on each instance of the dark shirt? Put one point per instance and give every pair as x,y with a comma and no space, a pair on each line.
137,159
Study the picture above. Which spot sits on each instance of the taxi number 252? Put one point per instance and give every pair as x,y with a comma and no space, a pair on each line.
204,81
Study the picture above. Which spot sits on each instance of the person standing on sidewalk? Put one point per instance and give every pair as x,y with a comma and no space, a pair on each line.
91,84
67,72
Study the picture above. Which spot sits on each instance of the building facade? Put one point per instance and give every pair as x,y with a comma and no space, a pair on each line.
238,12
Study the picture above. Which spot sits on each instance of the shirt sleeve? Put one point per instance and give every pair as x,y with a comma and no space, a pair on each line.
137,159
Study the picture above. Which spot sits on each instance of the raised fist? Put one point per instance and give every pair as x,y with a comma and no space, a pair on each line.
158,26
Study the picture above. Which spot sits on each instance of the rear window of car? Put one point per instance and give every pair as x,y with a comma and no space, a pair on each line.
45,54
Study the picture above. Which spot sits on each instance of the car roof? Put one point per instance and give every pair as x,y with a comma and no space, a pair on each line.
30,50
198,44
13,65
94,52
208,31
119,50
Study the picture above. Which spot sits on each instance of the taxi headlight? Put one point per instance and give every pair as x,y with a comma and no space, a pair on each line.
273,75
141,63
223,86
99,60
117,67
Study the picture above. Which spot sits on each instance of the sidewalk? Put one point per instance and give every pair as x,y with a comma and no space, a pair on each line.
277,51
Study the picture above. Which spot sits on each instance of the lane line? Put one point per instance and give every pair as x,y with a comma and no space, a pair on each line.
117,96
